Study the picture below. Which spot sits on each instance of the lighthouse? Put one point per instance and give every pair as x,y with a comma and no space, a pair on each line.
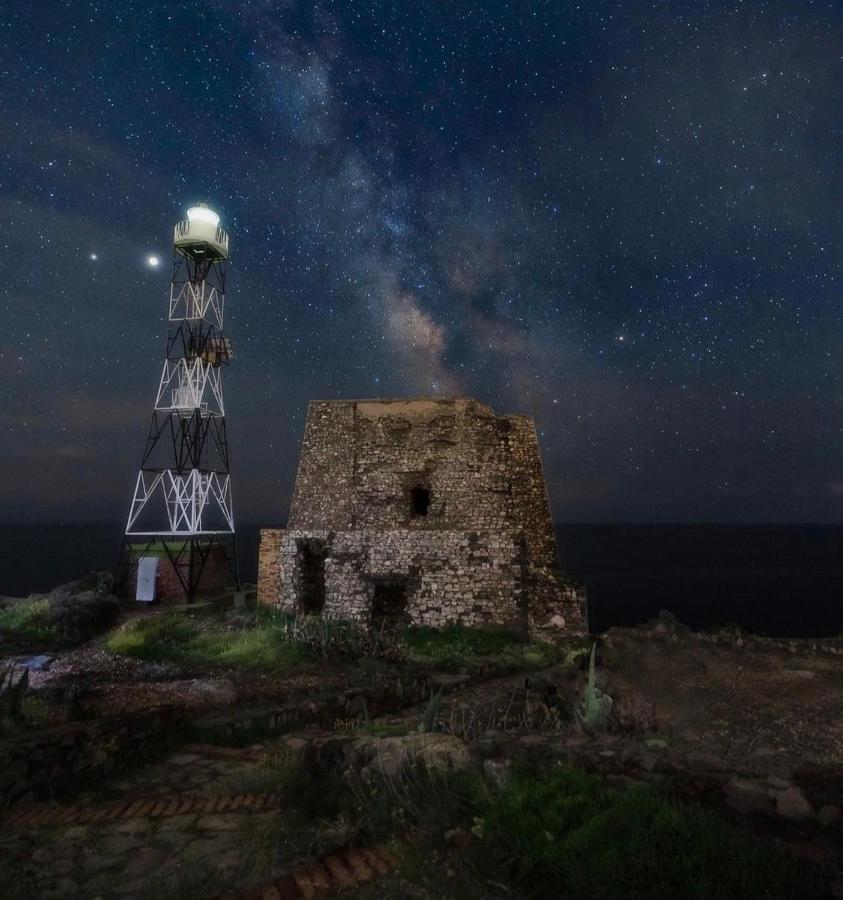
179,535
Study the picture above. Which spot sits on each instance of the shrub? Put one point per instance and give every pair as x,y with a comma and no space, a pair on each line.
63,618
77,618
28,619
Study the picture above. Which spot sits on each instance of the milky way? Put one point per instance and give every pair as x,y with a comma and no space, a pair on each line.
620,218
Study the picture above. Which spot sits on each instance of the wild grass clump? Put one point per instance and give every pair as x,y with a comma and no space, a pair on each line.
430,799
416,796
326,638
458,645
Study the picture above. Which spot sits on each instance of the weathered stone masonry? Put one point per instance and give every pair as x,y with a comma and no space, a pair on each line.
426,511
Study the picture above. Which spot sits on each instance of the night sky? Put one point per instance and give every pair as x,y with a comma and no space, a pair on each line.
620,218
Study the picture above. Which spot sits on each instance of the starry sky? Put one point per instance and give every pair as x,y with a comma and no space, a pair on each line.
621,218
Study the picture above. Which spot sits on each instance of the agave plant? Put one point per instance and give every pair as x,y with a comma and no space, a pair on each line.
596,706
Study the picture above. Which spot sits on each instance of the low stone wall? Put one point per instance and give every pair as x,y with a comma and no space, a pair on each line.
50,762
340,711
809,801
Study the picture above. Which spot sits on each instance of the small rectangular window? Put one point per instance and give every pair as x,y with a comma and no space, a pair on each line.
419,501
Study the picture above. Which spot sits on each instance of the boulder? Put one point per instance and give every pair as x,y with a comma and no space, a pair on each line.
705,762
792,805
392,754
216,690
746,797
829,815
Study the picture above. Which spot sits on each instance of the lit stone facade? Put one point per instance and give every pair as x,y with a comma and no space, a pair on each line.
426,511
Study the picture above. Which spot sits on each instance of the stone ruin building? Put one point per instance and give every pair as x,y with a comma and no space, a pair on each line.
426,512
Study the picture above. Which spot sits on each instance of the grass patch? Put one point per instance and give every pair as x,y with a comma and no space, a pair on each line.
28,619
457,645
267,639
174,637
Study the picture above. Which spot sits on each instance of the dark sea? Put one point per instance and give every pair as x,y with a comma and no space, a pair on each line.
784,580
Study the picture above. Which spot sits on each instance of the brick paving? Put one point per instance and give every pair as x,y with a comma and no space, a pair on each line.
154,836
44,815
338,872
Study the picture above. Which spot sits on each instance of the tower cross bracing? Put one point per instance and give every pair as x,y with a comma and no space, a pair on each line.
182,504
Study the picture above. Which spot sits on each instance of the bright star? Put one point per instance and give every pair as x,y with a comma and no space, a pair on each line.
93,257
153,261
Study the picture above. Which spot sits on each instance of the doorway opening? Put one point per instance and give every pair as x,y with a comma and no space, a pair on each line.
312,573
389,604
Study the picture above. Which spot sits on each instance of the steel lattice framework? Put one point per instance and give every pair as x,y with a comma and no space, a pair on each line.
182,499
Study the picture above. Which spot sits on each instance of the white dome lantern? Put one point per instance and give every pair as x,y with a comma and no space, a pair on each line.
200,236
202,213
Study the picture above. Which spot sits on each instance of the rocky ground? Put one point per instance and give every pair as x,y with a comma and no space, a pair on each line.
753,727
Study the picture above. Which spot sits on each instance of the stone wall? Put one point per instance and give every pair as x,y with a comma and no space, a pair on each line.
450,575
51,762
269,565
484,551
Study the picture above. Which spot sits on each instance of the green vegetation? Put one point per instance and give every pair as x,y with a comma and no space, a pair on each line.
267,639
572,831
457,645
61,620
382,729
597,706
28,619
175,637
566,829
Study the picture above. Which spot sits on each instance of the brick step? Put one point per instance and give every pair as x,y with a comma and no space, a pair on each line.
219,751
162,807
339,871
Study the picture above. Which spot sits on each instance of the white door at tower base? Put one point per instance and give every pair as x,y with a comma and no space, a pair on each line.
147,577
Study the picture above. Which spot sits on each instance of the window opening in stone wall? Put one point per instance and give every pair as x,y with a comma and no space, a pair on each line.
419,501
312,571
389,604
